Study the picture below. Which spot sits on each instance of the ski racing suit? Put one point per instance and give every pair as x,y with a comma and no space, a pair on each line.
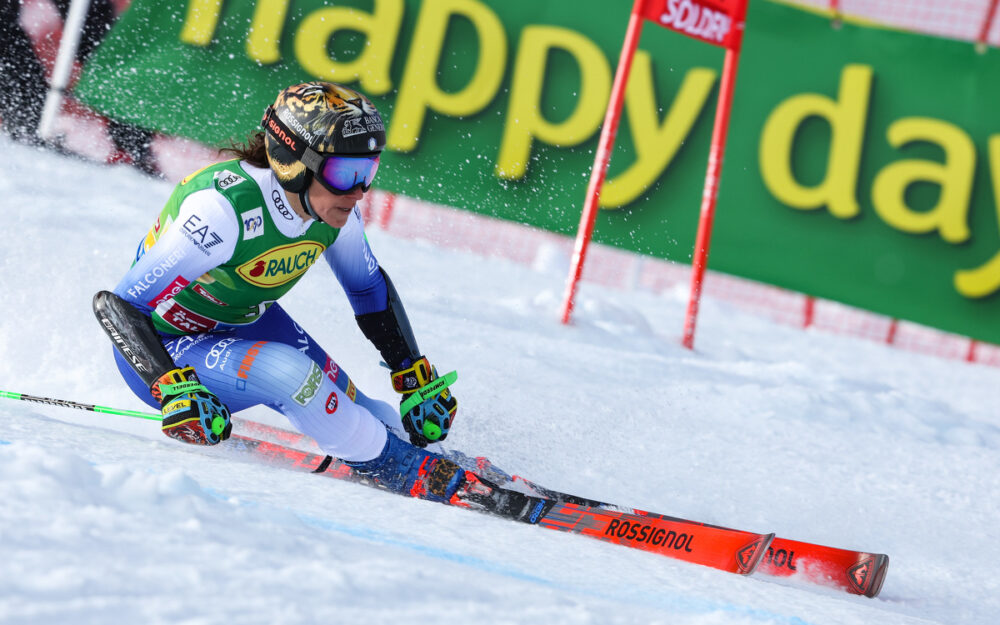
225,247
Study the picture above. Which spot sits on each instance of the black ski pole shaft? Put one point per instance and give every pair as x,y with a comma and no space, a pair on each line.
79,406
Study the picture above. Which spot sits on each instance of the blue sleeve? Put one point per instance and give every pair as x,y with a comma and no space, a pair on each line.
356,268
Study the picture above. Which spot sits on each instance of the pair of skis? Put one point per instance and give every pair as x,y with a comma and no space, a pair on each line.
736,551
726,549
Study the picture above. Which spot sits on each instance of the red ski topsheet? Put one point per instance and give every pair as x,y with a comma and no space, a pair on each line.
855,572
734,551
729,550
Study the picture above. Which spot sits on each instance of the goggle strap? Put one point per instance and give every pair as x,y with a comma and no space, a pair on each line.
283,134
311,159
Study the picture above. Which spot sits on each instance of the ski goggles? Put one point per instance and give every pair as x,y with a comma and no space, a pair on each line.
339,174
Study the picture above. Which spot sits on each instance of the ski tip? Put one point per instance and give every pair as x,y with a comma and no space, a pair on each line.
881,567
867,575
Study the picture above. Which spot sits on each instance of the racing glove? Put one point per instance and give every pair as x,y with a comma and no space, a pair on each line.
191,412
428,406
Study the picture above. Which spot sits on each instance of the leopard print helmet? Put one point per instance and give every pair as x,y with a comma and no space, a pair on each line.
327,117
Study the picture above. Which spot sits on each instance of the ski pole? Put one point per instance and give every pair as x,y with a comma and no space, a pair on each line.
72,404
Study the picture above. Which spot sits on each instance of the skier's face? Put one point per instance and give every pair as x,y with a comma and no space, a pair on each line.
333,209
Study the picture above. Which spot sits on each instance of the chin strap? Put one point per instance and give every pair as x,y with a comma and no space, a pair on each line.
304,198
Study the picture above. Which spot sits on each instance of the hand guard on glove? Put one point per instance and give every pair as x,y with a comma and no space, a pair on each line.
191,413
428,407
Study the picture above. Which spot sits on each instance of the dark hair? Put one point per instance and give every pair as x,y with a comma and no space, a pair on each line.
252,151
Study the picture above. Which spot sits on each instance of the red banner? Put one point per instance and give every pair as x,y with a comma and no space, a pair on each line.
718,22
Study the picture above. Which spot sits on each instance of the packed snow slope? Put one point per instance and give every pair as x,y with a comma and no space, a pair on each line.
813,436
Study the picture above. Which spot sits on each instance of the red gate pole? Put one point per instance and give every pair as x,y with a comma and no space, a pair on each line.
388,205
890,336
984,30
809,314
700,259
970,356
607,140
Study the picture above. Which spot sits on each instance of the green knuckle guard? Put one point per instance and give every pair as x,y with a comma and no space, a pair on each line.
427,392
182,387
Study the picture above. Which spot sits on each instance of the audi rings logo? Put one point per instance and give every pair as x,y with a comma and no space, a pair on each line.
279,205
212,359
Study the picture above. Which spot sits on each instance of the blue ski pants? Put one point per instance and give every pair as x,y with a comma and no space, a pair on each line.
276,363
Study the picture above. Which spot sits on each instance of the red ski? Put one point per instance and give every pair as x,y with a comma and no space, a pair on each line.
855,572
729,550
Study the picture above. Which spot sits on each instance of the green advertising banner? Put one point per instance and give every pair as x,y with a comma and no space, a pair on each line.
863,164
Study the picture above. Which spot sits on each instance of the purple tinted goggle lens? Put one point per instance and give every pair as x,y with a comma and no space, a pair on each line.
341,174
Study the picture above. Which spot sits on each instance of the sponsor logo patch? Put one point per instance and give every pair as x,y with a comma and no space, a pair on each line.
696,20
292,121
227,179
176,406
859,574
283,136
200,234
173,289
353,127
352,391
309,387
331,403
303,339
539,507
154,274
280,264
151,237
179,346
253,223
200,290
781,558
123,345
370,261
279,205
184,319
633,531
246,364
747,555
217,351
332,370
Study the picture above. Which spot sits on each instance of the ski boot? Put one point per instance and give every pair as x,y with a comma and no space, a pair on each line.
409,470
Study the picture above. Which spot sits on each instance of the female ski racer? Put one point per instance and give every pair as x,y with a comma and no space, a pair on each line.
196,324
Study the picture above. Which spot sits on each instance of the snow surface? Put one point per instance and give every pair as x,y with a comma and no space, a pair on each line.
814,436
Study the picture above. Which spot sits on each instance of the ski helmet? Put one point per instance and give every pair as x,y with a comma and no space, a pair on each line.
318,117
